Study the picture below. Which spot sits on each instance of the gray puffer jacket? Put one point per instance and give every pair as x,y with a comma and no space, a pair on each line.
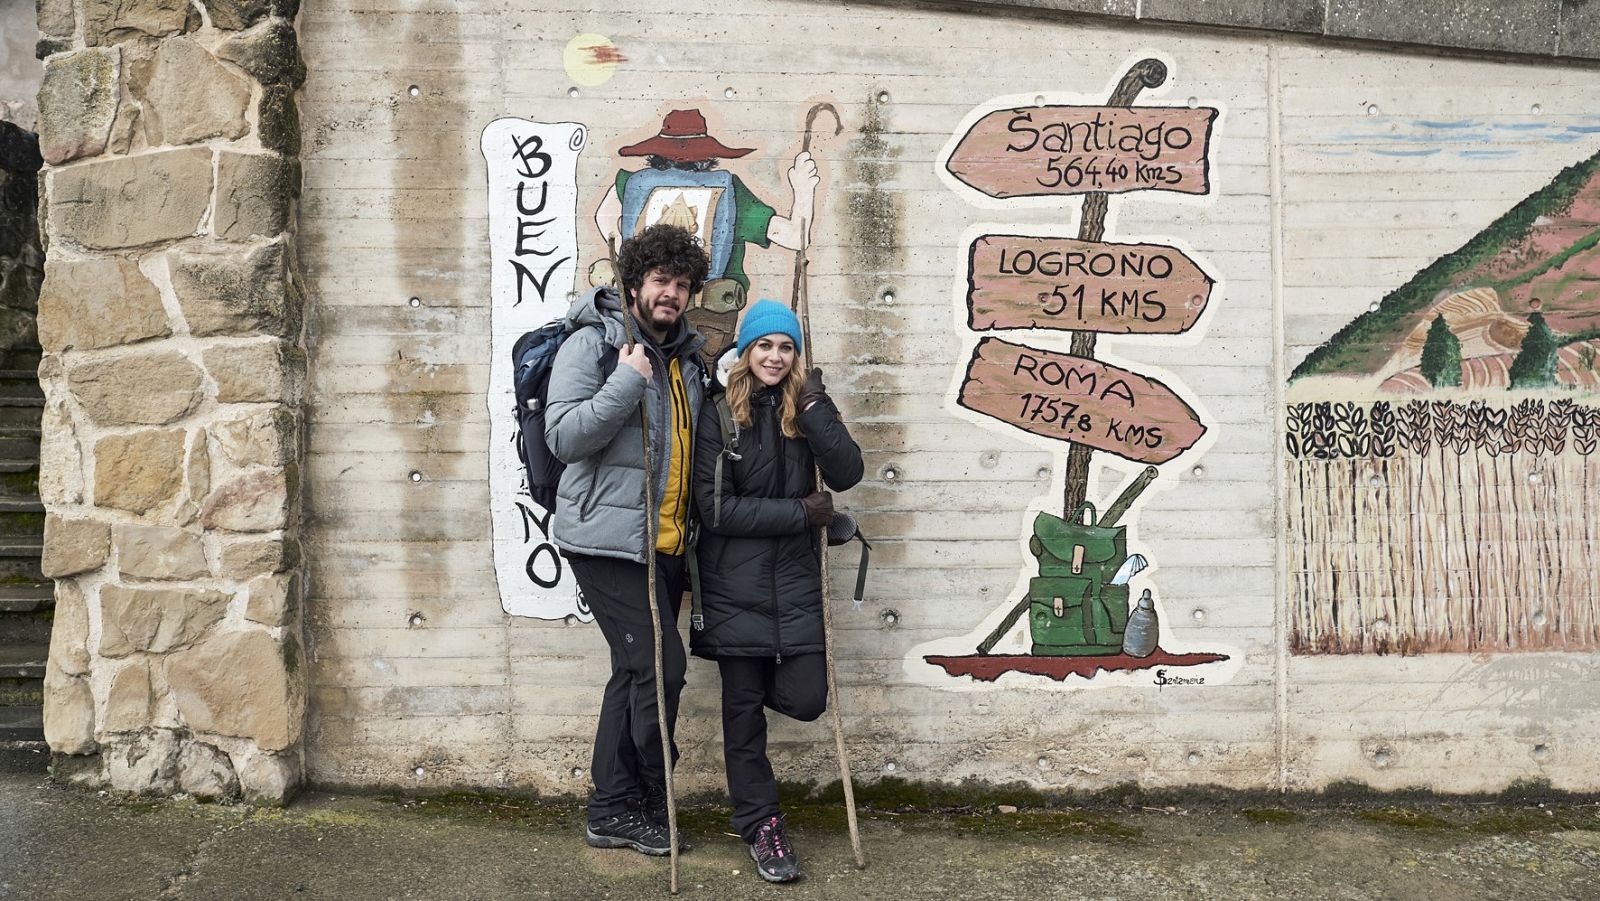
592,425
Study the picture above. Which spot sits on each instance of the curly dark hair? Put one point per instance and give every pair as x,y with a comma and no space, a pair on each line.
666,247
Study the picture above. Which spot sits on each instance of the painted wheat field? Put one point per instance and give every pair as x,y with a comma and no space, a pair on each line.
1434,526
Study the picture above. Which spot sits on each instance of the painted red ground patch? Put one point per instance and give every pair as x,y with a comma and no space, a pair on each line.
987,668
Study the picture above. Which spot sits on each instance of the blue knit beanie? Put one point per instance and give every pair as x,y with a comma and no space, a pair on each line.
768,317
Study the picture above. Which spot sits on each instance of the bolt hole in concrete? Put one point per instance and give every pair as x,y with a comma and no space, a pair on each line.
577,773
1038,100
415,301
1043,473
1372,109
420,772
1194,102
889,767
572,92
416,620
570,619
416,476
1533,477
728,93
1044,763
1381,757
1194,758
888,297
1536,109
1380,625
891,618
1541,752
414,91
883,96
1198,471
890,473
1372,308
1199,615
1538,618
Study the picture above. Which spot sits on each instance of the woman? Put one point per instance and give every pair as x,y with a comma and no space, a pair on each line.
760,559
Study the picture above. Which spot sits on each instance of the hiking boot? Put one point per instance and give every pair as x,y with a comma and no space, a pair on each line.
628,830
653,804
775,861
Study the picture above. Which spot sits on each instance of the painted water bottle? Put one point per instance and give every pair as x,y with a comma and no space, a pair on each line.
1143,630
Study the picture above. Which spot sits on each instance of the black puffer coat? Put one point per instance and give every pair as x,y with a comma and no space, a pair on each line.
760,569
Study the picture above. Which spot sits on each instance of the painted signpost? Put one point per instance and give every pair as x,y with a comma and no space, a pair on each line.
1078,605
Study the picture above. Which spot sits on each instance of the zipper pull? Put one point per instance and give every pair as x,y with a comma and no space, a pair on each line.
780,659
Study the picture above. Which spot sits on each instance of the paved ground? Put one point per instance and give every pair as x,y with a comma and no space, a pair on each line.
69,844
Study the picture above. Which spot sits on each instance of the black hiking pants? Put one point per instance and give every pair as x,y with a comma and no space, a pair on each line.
798,688
627,741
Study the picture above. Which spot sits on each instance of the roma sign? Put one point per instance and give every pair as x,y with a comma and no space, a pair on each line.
1078,399
1020,282
1055,150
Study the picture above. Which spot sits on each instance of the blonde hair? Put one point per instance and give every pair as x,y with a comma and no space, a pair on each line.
742,383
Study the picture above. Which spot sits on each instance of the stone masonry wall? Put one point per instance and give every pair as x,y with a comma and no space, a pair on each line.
171,325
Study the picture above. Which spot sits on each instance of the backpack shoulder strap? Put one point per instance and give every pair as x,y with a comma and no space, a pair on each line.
730,445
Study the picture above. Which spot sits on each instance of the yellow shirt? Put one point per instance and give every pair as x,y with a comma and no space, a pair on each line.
672,527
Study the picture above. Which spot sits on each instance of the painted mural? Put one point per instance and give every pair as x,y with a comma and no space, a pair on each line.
1441,448
1086,611
673,173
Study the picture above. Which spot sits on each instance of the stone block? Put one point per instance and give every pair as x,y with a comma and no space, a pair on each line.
137,389
267,438
110,21
253,502
60,456
73,545
56,18
244,559
69,630
68,713
238,684
155,619
278,120
129,700
255,195
206,773
158,552
132,201
1516,26
1580,30
197,470
233,15
227,291
1278,15
187,96
145,764
269,51
95,302
78,102
259,372
83,771
138,472
270,778
271,600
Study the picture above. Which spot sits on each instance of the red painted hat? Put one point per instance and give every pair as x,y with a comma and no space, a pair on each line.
683,138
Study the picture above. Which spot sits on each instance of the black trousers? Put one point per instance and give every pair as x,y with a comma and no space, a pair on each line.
627,741
798,688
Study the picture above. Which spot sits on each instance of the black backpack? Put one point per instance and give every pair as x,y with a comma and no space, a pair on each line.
532,358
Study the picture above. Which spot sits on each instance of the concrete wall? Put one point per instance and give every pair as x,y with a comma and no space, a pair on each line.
20,72
1335,176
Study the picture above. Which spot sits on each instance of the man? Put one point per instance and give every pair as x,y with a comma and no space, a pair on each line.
592,424
682,184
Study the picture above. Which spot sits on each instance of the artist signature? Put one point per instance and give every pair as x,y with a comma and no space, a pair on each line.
1163,680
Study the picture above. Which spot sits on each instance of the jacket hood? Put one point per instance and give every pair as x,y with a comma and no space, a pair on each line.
602,306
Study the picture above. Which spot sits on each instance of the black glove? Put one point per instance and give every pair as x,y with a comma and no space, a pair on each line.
813,390
819,508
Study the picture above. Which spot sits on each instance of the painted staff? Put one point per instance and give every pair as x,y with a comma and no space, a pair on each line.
1146,73
802,302
650,527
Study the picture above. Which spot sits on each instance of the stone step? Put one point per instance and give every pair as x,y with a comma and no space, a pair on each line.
14,395
21,724
27,597
20,505
21,415
19,447
30,375
22,546
25,661
21,692
23,465
20,431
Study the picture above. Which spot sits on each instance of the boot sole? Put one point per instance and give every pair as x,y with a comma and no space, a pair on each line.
615,841
777,880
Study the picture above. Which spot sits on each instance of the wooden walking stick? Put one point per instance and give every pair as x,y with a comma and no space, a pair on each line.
650,526
802,302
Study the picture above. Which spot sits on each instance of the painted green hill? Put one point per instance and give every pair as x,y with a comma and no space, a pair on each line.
1545,247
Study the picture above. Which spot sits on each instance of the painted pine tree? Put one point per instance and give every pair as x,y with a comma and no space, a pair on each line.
1535,365
1441,355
